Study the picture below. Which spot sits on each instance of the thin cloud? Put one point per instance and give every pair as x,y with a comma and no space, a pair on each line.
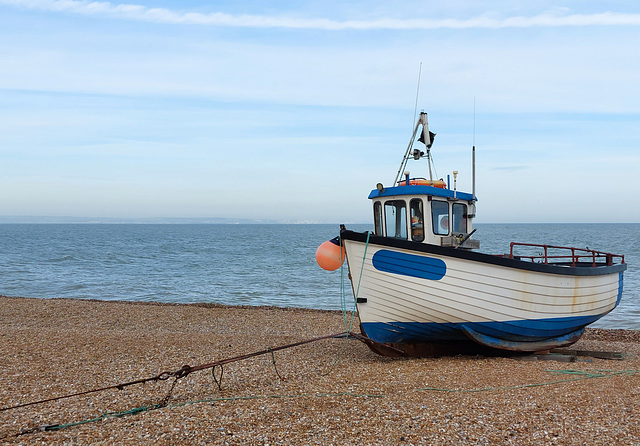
510,168
167,16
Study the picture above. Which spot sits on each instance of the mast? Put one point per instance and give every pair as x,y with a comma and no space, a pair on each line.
473,172
417,154
426,139
473,154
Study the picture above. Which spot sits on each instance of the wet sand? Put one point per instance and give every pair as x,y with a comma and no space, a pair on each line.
334,391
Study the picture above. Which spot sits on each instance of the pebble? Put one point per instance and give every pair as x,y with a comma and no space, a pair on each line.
336,391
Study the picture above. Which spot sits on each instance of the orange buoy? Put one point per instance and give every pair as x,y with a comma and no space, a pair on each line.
330,255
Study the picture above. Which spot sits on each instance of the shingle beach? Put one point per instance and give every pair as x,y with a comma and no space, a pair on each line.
333,391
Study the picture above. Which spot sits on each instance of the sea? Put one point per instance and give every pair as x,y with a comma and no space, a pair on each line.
245,264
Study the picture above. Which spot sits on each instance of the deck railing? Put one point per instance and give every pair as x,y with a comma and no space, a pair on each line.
576,256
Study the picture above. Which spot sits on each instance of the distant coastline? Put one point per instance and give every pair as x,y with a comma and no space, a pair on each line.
11,219
158,220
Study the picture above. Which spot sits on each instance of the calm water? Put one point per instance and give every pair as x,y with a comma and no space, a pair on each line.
242,264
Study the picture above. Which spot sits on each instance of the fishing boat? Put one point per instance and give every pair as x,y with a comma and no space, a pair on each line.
422,287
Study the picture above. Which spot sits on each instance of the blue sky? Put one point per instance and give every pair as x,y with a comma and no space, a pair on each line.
293,111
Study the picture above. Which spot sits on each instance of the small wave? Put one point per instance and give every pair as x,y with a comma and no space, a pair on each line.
66,258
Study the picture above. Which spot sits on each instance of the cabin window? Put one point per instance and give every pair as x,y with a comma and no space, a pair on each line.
440,217
395,213
459,217
417,220
377,217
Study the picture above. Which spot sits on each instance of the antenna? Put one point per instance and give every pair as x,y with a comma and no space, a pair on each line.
415,109
473,153
415,131
474,121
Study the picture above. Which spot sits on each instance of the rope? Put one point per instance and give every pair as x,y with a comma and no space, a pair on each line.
138,410
55,427
343,295
180,373
275,367
579,375
347,325
165,400
364,256
218,381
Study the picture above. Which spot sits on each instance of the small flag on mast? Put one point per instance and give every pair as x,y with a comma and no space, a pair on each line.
431,138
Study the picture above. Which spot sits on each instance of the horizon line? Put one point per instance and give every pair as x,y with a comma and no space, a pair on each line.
17,219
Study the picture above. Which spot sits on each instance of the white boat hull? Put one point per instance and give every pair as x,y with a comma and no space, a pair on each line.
435,294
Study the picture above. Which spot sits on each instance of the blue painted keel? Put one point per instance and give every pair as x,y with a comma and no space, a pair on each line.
507,335
523,346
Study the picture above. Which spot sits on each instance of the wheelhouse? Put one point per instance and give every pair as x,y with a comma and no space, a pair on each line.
424,214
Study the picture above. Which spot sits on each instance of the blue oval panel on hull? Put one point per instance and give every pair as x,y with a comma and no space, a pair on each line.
409,265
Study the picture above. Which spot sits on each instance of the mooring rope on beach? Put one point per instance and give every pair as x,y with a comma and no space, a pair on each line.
348,323
578,375
137,410
184,371
177,375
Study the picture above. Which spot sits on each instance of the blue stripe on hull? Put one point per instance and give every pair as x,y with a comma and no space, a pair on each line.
517,331
411,265
620,282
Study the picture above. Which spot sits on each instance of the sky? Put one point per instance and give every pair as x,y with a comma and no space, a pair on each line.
293,111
